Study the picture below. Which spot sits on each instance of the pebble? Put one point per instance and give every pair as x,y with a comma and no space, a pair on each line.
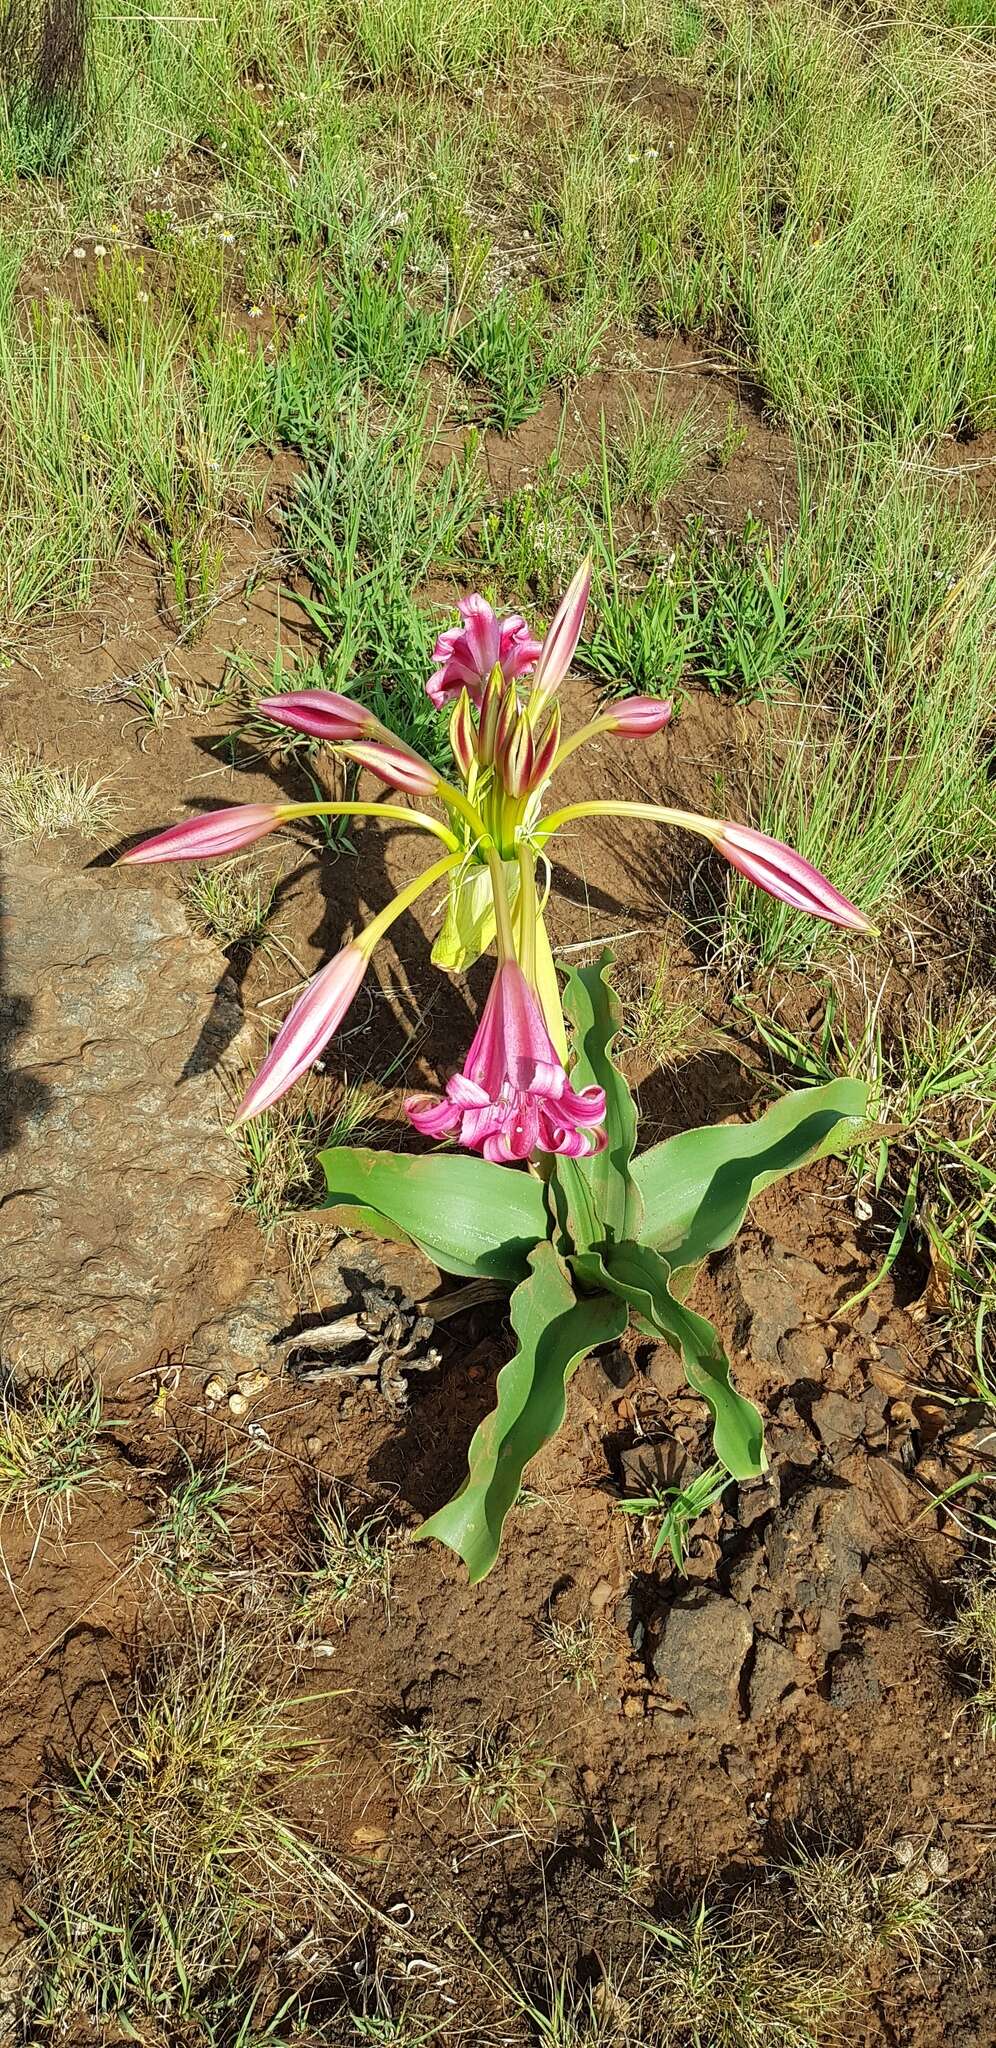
313,1446
214,1390
937,1861
250,1383
237,1405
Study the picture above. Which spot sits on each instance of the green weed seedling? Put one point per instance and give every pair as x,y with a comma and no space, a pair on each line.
676,1509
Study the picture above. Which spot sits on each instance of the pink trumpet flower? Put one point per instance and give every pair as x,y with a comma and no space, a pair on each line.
513,1097
636,718
396,767
557,651
785,874
301,1038
214,832
323,713
468,654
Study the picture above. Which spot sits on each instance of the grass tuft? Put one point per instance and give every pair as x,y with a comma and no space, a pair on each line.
38,801
169,1870
49,1447
499,1777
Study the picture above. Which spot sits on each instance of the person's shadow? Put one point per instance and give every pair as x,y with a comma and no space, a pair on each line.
24,1096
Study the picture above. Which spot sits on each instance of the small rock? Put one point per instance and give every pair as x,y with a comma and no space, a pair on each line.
890,1489
600,1595
701,1655
215,1390
755,1500
802,1355
666,1372
775,1671
904,1852
250,1383
703,1559
937,1861
237,1405
313,1445
838,1420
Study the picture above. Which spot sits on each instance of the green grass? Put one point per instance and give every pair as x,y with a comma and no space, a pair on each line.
170,1870
278,1150
188,1546
39,800
498,1777
349,1565
50,1430
232,901
972,1637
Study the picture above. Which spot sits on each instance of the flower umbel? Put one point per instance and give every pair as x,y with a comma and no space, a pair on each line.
513,1097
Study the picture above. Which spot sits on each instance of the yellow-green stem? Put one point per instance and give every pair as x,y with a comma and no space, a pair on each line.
528,912
378,925
689,821
579,739
503,916
420,819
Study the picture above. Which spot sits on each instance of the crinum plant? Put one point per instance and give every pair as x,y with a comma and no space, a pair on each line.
548,1195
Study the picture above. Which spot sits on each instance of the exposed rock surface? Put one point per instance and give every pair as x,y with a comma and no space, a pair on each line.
116,1170
702,1653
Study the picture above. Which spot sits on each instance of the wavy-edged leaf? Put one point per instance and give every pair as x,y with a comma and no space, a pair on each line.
471,1217
696,1187
642,1279
555,1330
599,1196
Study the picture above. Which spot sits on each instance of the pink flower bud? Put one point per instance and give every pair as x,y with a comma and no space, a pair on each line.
783,873
396,767
546,750
557,651
463,738
516,763
636,718
215,832
491,704
306,1031
508,719
323,713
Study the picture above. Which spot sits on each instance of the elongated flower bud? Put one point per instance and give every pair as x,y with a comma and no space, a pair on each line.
491,704
213,833
637,718
557,651
508,719
545,750
306,1031
396,767
783,873
463,738
323,713
515,765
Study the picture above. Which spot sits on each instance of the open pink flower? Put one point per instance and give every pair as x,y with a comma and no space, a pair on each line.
513,1097
467,654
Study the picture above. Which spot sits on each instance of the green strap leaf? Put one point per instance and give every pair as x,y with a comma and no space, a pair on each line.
555,1330
696,1187
643,1280
471,1217
597,1198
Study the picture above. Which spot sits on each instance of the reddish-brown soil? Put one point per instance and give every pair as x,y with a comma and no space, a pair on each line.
840,1559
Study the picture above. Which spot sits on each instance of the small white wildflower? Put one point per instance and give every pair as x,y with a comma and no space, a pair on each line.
254,312
80,255
99,249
